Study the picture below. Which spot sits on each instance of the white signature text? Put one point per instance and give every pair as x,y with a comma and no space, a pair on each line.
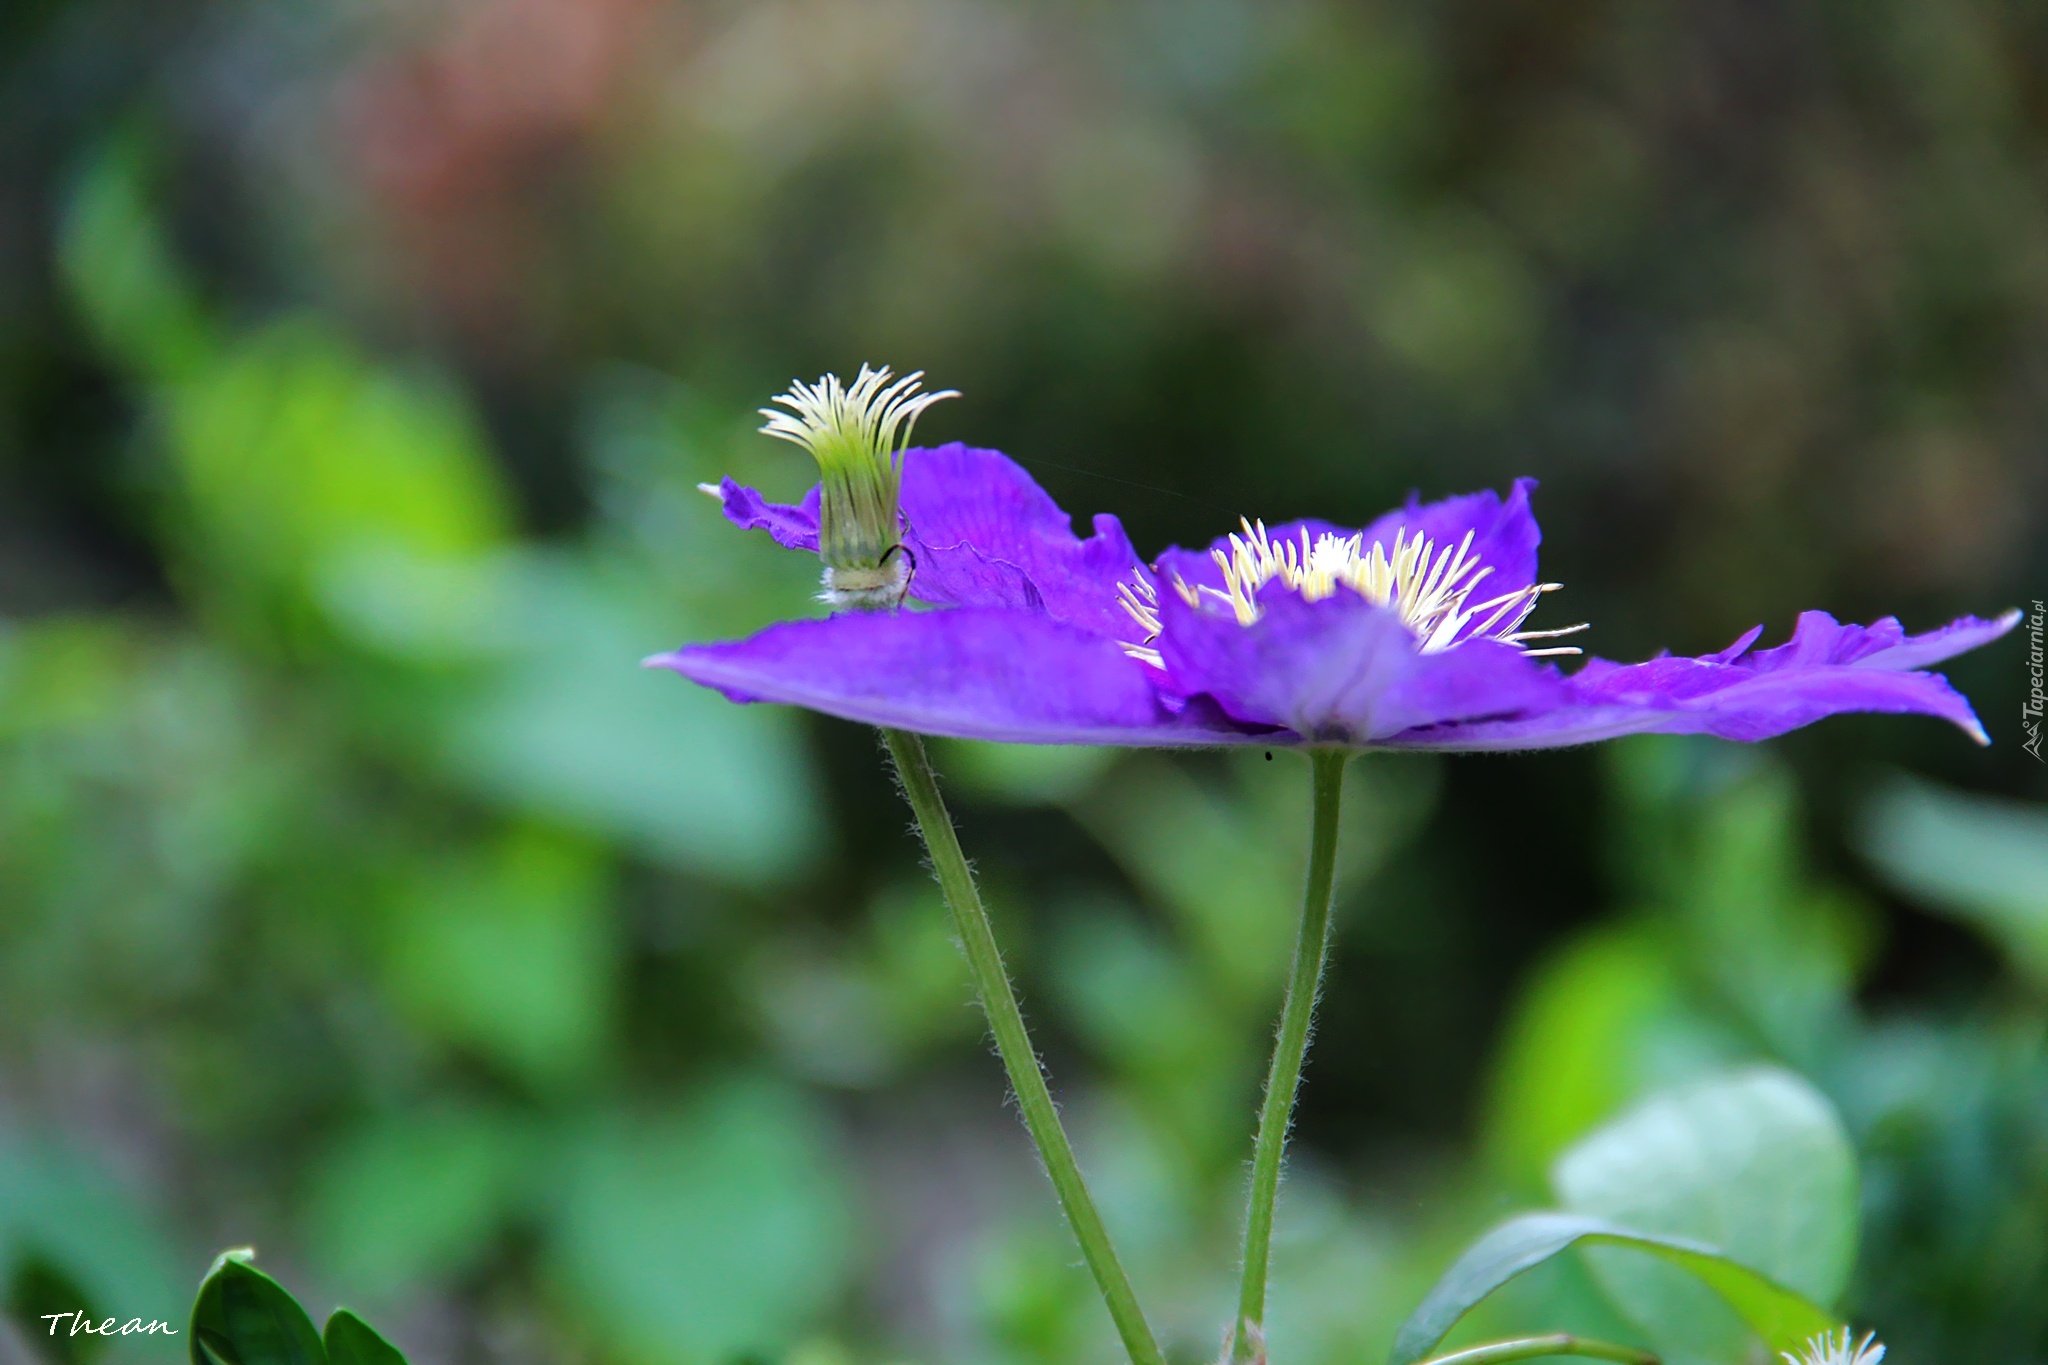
81,1323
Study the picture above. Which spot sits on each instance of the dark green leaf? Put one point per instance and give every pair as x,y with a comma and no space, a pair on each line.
351,1341
243,1317
1780,1316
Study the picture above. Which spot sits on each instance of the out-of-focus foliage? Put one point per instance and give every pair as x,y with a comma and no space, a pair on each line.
1982,860
360,899
1712,1215
1946,1100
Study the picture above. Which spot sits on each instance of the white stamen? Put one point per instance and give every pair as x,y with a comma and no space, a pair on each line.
831,417
1830,1348
1141,600
1428,586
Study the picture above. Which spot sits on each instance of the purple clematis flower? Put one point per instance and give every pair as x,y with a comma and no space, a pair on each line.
1407,634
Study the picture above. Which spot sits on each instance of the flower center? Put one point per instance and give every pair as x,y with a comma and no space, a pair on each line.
1430,587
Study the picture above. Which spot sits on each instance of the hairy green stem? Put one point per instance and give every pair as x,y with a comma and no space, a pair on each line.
1311,949
1006,1022
1556,1344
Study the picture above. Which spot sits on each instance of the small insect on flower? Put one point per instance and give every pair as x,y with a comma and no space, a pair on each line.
857,433
1838,1348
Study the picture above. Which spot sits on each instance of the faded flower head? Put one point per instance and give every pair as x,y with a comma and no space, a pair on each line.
1838,1348
857,433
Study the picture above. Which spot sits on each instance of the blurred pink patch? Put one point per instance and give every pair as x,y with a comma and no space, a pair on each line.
458,139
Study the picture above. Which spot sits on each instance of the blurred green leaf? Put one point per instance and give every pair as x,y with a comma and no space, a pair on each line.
351,1341
1147,1012
317,486
1187,845
1978,859
121,272
1659,783
43,1300
825,1012
1779,949
1754,1164
293,450
1713,840
916,967
296,452
61,1208
1780,1316
243,1317
61,675
1024,774
1134,997
1029,1302
569,725
412,1199
1225,857
706,1232
1571,1055
138,779
855,1011
511,951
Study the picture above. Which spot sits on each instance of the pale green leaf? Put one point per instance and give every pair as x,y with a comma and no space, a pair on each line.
1781,1316
1754,1164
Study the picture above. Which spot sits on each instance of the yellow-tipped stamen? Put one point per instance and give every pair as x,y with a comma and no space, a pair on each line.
1141,600
1430,587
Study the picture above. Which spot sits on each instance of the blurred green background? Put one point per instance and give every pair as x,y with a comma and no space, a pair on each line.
361,900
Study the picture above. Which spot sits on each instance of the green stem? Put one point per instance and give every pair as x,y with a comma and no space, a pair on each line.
1311,949
1006,1022
1556,1344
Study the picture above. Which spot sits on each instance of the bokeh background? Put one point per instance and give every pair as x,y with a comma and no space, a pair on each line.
361,900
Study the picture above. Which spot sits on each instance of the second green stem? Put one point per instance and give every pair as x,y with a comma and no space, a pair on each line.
1006,1022
1276,1115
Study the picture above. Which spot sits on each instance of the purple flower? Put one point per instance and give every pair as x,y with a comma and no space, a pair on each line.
1407,634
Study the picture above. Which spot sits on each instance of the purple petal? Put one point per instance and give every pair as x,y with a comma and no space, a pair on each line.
1341,670
1825,669
1820,639
973,673
793,528
1738,649
986,535
983,534
1504,533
